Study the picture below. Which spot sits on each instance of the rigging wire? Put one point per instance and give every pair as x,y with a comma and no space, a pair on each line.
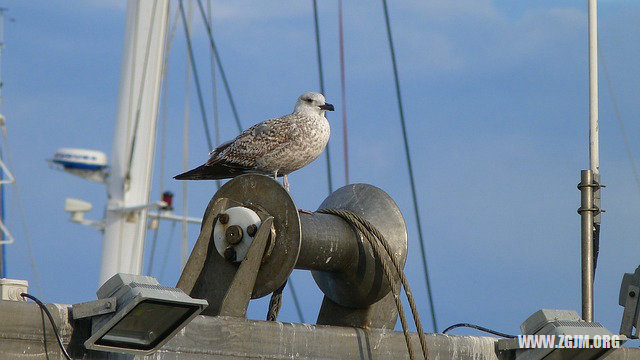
133,66
142,87
295,300
196,79
227,89
185,143
409,165
320,74
616,110
165,258
163,132
214,86
345,137
154,241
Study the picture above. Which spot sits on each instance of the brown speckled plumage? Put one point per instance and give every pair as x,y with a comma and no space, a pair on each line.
276,146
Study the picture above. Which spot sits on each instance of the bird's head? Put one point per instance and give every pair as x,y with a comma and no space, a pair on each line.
312,103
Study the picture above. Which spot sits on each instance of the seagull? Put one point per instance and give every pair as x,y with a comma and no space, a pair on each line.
275,147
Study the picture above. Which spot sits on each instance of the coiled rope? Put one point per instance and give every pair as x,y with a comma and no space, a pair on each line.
378,243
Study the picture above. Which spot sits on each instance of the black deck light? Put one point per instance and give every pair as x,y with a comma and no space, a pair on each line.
135,314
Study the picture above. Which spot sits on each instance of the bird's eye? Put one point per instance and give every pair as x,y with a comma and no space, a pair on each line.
308,100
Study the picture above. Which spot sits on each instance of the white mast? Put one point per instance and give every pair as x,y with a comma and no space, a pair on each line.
129,180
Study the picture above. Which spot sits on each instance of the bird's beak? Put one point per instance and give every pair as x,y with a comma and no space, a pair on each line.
327,106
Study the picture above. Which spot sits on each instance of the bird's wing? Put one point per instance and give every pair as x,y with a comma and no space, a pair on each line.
242,154
255,142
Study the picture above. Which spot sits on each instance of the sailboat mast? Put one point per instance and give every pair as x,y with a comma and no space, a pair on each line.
129,180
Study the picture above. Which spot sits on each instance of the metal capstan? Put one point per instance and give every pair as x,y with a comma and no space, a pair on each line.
253,237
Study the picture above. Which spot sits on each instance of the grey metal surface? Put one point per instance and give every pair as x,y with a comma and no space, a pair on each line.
587,211
207,275
629,299
381,315
262,193
630,315
237,298
328,244
197,259
364,283
209,338
93,308
597,201
536,321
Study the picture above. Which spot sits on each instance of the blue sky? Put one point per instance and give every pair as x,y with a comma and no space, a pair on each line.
495,96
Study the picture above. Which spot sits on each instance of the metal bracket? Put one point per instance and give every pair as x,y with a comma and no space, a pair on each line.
237,298
596,187
195,263
595,184
207,275
93,308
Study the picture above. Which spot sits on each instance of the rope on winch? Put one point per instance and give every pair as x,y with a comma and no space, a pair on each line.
383,252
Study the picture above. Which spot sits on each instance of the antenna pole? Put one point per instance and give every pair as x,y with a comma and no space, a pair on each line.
590,179
129,180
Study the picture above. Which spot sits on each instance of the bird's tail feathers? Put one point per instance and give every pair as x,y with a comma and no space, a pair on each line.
209,172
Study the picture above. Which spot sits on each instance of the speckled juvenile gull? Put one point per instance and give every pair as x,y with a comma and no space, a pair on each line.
273,147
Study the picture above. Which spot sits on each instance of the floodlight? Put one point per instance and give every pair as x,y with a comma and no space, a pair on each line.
135,314
569,337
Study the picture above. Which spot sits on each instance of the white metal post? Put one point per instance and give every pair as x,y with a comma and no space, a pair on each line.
129,180
594,155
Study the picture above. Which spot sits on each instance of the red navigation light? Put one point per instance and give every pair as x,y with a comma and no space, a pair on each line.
167,197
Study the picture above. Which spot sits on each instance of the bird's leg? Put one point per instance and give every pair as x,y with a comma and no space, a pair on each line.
285,182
